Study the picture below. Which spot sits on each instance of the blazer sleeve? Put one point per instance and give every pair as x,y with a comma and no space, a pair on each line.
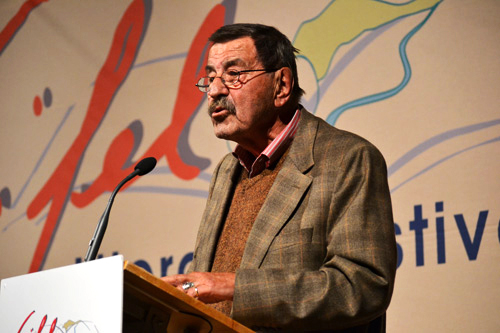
351,277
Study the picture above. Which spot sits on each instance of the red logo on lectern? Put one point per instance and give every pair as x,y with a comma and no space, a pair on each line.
68,327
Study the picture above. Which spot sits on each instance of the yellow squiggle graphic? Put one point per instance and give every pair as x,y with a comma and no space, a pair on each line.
342,21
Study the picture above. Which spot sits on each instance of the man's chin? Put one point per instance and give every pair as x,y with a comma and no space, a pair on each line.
222,135
222,132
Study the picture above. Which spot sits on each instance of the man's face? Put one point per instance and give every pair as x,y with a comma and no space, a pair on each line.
241,114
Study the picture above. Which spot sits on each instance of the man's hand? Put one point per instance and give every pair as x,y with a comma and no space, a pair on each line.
212,287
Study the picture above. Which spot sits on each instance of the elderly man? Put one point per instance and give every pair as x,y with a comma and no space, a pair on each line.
297,233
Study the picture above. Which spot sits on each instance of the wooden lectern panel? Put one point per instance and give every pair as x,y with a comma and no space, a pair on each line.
152,305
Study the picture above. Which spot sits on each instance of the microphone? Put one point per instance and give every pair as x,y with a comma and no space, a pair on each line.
143,167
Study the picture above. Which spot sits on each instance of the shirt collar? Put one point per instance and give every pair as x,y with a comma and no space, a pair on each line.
271,153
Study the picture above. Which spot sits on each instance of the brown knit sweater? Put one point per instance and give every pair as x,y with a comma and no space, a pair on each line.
249,196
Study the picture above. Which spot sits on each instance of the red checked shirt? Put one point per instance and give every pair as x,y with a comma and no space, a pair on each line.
273,151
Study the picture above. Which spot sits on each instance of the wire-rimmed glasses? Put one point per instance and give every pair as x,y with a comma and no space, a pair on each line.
230,78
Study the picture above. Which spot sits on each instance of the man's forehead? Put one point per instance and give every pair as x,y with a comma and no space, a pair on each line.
235,52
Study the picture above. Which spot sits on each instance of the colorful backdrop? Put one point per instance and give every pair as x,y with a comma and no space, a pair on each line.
88,88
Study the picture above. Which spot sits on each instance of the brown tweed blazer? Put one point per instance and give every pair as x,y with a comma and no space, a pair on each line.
322,253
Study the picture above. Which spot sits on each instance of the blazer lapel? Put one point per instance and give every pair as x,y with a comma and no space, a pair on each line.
289,187
215,212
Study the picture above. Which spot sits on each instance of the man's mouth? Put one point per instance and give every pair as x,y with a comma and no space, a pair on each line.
220,109
219,113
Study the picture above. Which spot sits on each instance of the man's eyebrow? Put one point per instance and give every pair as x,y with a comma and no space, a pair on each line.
227,64
233,62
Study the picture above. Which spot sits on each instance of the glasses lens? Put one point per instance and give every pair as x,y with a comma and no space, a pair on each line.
203,84
230,78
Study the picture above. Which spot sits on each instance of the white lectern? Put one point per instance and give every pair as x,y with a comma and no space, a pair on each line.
103,296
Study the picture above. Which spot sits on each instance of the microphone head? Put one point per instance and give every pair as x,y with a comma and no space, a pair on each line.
145,165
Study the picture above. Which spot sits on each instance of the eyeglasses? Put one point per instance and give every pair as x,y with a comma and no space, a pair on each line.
230,78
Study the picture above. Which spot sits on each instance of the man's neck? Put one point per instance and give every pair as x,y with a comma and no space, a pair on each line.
261,140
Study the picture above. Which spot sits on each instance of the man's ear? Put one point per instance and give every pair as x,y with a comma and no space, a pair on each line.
283,86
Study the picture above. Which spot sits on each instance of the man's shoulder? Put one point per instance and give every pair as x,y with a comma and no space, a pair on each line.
332,151
327,136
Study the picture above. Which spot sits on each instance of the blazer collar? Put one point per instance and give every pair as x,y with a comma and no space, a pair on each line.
301,149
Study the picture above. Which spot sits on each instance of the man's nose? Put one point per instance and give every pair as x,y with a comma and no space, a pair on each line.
217,87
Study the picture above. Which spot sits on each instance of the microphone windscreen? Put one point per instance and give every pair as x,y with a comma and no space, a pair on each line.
145,165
